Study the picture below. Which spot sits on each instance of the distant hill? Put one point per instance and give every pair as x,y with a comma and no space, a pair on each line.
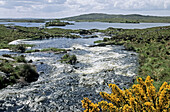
132,18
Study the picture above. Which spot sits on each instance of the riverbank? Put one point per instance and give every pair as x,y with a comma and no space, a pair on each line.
153,46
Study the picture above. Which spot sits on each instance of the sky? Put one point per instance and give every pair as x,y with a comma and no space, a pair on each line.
67,8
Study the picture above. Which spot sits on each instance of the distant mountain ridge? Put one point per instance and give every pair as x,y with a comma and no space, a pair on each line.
118,18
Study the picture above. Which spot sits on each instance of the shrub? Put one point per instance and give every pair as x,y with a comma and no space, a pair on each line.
28,72
141,97
19,48
20,59
69,59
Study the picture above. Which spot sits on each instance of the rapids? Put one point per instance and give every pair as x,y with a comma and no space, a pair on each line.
61,87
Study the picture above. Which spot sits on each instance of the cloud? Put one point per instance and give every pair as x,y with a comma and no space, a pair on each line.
74,7
2,2
56,1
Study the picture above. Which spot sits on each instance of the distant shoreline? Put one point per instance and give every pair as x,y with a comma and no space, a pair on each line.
98,17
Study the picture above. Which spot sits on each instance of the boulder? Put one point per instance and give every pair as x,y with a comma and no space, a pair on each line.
84,32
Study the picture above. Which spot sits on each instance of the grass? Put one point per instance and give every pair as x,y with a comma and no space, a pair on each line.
16,69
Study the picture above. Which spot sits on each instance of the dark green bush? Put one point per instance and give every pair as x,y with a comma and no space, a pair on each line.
28,72
69,59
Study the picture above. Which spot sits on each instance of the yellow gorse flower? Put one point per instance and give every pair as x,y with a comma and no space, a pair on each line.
141,97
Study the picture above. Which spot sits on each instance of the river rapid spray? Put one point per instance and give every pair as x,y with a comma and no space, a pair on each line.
61,87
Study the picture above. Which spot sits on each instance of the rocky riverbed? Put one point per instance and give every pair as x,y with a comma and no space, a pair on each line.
61,87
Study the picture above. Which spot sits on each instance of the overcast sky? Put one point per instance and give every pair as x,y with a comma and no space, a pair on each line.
66,8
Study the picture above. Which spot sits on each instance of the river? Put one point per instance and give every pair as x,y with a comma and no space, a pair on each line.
61,87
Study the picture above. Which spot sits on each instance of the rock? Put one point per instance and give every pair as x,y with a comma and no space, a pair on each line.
30,61
40,99
84,32
94,36
40,72
2,101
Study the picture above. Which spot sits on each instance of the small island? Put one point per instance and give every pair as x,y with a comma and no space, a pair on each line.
57,23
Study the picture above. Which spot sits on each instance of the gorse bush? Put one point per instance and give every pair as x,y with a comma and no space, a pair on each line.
142,97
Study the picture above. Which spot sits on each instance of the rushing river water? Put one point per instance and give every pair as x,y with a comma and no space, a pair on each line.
91,25
61,87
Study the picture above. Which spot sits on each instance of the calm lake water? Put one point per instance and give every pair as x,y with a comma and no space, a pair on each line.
92,25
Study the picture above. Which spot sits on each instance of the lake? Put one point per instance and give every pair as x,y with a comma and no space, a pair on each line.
91,25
